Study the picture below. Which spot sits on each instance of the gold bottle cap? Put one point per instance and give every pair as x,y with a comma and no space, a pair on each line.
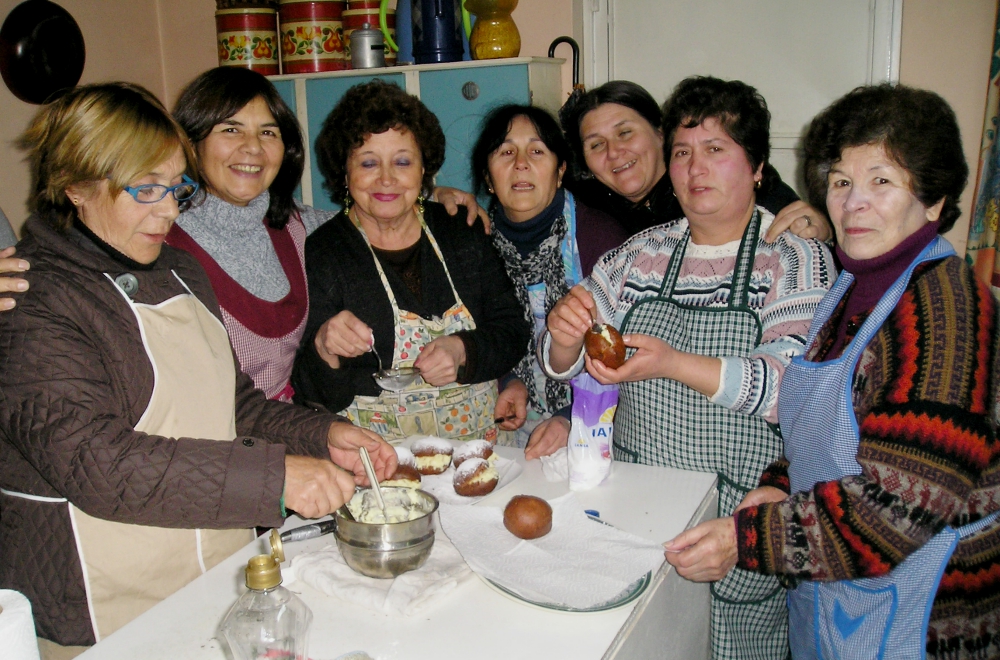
264,571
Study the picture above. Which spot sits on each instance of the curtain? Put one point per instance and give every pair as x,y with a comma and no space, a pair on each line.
983,250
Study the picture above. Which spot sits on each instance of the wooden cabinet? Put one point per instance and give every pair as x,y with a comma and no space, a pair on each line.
460,94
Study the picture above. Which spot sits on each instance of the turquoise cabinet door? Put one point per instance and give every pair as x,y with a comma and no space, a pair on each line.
321,95
461,119
286,90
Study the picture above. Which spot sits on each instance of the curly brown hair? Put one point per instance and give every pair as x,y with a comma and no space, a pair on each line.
917,129
369,109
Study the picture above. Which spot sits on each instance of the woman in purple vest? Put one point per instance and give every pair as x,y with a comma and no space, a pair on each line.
882,519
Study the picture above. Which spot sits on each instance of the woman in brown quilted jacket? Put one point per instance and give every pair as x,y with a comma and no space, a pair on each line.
134,454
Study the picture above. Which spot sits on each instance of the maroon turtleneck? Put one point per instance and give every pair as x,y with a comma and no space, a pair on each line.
873,277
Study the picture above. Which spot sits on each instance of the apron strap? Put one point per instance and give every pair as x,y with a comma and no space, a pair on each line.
674,267
744,263
381,273
965,531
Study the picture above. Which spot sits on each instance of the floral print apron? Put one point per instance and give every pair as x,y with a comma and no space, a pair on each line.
460,412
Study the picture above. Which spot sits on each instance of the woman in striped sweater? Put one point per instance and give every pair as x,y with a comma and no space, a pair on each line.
713,312
884,515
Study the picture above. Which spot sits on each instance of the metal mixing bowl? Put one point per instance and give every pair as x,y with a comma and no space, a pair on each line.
386,550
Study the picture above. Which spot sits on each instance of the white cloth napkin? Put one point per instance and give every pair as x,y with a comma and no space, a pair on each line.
17,628
555,466
406,595
442,485
581,563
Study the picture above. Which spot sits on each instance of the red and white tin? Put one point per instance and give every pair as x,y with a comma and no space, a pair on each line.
312,36
248,37
354,19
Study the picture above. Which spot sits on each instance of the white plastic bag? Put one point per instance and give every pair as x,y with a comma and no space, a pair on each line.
589,443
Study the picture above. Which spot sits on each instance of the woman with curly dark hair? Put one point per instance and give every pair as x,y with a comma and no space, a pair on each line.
884,515
394,276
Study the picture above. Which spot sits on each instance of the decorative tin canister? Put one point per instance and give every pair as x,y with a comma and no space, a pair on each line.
354,19
248,37
312,36
363,4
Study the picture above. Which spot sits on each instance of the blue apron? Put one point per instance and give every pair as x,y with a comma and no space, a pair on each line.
884,617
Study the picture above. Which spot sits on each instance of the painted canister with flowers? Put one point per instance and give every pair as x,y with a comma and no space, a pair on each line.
312,36
247,35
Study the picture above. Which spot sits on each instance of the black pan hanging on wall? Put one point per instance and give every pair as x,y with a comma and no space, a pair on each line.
41,50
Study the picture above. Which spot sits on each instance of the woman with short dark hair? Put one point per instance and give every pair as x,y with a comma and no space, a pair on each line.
548,241
617,138
394,276
883,515
712,313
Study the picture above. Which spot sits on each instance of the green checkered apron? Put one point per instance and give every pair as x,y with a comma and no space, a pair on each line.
663,422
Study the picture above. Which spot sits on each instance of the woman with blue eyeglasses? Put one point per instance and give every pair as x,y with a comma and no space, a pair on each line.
134,453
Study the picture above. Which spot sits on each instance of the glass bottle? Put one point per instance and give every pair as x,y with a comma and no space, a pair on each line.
268,621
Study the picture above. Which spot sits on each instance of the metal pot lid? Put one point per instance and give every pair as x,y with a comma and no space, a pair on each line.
41,50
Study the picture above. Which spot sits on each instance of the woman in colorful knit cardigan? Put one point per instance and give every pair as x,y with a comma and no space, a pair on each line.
883,516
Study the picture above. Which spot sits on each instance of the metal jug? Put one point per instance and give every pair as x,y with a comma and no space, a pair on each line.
367,48
437,31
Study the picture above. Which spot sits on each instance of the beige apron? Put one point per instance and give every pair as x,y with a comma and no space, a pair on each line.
461,412
129,568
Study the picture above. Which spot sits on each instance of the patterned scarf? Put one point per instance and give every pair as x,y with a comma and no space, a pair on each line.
544,264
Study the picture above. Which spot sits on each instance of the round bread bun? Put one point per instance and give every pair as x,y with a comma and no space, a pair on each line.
606,346
432,455
405,476
475,477
472,449
527,517
404,456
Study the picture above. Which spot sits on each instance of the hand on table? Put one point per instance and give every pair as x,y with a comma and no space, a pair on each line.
344,439
343,335
10,264
513,404
802,220
547,438
315,487
440,360
452,198
705,553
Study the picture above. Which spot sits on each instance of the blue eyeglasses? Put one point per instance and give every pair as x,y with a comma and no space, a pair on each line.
151,193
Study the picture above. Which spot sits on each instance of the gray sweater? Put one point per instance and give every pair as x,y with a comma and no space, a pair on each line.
236,238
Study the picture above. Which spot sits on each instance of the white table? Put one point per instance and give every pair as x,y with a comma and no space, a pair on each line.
670,620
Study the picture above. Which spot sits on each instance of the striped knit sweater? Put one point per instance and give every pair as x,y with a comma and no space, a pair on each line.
926,406
789,278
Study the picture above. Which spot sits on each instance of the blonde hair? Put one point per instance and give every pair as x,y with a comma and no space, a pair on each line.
116,131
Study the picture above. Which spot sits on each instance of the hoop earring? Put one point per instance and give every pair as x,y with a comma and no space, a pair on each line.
420,204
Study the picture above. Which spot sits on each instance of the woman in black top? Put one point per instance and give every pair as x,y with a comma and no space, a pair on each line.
395,272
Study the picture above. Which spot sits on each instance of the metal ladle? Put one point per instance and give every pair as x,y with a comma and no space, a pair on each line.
393,380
